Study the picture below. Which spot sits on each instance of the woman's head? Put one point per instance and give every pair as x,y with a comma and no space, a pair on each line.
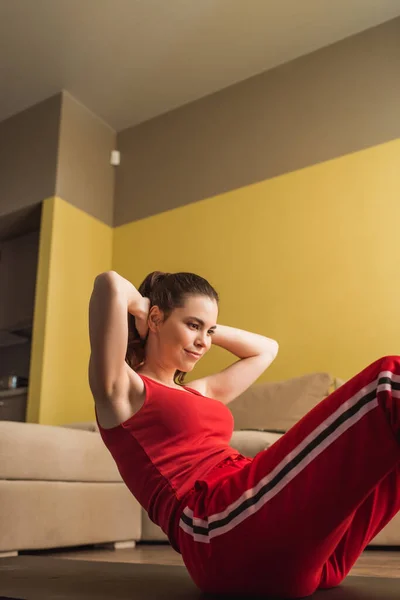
182,318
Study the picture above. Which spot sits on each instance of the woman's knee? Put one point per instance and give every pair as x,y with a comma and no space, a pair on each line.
387,362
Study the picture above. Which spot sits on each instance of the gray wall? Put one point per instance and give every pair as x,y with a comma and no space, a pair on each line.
85,177
28,155
337,100
57,147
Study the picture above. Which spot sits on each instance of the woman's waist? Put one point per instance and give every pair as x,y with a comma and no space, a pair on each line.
211,466
202,488
230,463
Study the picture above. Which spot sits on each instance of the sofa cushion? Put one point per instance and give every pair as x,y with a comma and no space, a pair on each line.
279,405
250,443
85,426
45,452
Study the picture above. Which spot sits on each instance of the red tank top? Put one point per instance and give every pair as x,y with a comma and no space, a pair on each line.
176,438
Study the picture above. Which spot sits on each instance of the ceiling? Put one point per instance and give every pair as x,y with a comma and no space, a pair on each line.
130,60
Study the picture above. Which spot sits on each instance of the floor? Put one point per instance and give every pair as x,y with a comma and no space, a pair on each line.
374,562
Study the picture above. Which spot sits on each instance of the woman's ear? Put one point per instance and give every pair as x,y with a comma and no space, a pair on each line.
155,318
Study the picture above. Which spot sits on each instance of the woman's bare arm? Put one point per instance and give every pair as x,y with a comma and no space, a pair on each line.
256,352
111,300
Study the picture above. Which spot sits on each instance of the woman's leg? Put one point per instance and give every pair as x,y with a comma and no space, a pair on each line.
273,525
382,504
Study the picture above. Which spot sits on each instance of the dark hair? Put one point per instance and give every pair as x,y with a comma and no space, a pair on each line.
167,291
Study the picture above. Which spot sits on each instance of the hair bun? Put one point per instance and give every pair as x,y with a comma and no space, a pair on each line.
159,276
152,280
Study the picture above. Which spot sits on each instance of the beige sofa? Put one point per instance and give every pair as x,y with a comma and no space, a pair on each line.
59,486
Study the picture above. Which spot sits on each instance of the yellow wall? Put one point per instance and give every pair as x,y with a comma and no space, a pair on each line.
310,258
74,248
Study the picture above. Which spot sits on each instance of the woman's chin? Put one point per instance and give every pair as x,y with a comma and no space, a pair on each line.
187,367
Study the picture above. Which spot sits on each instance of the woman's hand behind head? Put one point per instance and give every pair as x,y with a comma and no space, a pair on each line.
141,318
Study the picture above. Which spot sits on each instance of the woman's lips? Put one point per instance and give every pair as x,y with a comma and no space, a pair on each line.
193,354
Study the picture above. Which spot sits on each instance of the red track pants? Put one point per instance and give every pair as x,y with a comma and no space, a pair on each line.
297,516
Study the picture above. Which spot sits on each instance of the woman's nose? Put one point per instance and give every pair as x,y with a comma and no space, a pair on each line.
202,340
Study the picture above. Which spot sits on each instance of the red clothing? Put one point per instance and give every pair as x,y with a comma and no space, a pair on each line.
175,439
296,517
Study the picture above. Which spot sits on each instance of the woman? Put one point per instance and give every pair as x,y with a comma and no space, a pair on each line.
285,523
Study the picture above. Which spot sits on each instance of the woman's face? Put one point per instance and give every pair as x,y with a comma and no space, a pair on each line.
186,335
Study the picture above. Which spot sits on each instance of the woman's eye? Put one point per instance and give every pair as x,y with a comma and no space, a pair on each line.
195,325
